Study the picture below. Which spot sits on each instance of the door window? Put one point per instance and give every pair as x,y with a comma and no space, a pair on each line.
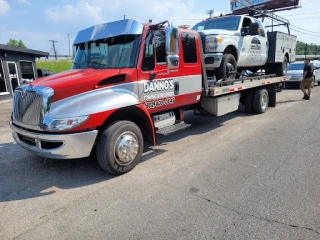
160,39
3,85
189,47
148,62
261,33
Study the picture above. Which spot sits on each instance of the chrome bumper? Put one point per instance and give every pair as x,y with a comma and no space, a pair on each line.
212,60
59,146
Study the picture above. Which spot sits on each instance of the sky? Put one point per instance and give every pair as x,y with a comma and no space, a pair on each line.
36,22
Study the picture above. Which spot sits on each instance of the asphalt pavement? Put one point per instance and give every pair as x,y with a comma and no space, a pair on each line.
240,176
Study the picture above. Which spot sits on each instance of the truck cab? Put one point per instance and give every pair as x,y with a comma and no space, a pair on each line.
127,80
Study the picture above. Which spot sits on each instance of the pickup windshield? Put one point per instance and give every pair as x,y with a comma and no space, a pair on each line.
297,66
108,53
227,23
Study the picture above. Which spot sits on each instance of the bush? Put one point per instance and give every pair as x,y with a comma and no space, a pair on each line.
55,66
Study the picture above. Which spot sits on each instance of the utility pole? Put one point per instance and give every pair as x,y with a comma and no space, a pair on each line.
210,12
54,48
69,43
124,17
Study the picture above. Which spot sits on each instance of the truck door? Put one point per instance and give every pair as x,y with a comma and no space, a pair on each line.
262,51
160,90
246,43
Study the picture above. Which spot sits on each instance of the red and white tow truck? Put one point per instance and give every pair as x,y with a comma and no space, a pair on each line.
128,82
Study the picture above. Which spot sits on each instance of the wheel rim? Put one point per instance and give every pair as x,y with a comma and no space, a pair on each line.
230,68
126,148
264,101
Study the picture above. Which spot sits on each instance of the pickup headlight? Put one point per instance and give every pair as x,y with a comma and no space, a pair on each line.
66,123
212,43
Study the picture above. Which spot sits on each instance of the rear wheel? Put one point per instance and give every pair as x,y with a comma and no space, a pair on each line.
120,147
260,101
228,68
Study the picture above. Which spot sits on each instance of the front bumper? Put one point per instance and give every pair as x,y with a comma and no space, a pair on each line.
212,60
56,146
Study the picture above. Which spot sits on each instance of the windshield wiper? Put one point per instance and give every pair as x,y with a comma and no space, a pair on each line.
101,64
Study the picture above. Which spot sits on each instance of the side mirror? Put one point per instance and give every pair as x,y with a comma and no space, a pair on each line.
172,48
252,30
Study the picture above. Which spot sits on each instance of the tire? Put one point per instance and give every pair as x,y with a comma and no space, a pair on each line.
118,134
228,63
281,69
260,101
248,102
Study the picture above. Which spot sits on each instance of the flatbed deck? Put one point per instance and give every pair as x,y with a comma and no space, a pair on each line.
217,89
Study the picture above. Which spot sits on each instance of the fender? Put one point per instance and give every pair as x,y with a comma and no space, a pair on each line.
96,101
145,110
229,42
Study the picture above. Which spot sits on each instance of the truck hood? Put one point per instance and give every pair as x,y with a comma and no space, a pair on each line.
295,72
218,32
73,82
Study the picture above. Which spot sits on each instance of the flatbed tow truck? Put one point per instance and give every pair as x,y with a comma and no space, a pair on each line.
128,83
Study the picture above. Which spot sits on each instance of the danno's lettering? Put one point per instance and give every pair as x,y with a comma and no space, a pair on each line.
158,86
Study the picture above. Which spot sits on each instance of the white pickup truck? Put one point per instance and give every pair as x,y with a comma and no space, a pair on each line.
235,43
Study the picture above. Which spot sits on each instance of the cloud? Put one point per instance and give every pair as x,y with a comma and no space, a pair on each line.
67,13
4,7
91,12
24,2
38,40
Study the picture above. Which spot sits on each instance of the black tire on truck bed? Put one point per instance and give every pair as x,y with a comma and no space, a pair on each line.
221,72
281,68
108,151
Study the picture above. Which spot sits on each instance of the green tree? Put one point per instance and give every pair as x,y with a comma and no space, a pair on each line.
309,49
16,43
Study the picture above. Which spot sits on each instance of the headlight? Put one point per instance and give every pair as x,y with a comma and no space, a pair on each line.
66,123
212,43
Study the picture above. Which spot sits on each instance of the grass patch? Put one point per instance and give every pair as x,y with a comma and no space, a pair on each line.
55,66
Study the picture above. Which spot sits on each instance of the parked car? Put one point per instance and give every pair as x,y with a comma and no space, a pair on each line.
295,70
44,73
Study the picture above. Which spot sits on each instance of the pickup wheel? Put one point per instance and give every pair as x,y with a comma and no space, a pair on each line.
227,69
260,101
281,69
120,147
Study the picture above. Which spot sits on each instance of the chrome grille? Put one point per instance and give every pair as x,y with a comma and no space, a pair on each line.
27,107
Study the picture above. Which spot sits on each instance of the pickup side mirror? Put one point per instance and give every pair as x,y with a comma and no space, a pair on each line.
172,48
252,30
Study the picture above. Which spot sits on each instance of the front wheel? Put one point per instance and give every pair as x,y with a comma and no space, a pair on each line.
120,147
228,68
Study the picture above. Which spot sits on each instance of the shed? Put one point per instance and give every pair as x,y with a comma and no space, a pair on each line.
16,66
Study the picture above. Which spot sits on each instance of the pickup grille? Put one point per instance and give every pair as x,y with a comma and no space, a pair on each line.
27,108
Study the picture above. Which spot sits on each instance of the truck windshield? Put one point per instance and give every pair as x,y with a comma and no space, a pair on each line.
226,23
108,53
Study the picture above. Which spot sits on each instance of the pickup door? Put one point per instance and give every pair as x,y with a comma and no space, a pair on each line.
253,50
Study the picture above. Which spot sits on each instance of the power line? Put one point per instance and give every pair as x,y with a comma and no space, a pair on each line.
301,14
